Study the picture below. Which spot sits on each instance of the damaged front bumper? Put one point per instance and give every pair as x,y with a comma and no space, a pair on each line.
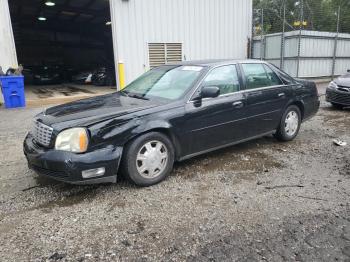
338,97
68,167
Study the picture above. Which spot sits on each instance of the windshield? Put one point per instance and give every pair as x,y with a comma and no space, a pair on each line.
169,82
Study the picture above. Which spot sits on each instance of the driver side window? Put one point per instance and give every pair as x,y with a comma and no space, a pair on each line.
223,77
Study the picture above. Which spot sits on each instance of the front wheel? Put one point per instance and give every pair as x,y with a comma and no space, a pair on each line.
290,124
148,159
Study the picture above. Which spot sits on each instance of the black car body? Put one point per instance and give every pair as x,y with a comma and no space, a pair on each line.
338,91
201,120
47,75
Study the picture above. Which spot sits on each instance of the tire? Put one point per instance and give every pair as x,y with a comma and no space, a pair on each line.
144,170
289,126
337,106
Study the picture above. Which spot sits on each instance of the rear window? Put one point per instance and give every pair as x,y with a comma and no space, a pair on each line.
274,79
287,79
259,75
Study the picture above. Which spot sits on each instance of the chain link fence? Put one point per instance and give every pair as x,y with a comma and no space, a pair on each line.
306,38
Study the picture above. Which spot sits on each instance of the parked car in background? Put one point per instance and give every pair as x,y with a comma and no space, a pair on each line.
83,78
170,113
104,76
47,75
338,91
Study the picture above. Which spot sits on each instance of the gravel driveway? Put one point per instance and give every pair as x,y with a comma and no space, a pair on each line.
261,200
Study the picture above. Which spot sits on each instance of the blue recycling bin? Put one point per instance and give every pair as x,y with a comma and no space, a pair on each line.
12,88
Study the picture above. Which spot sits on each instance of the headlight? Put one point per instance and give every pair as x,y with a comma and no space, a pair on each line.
332,85
73,140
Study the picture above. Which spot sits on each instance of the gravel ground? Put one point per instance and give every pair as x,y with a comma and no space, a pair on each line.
261,200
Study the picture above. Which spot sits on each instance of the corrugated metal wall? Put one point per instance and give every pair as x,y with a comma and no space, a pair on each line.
206,29
8,57
316,52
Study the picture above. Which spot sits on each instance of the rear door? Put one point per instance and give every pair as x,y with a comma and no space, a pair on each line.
266,97
216,121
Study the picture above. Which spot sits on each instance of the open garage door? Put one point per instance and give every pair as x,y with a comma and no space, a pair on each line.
65,46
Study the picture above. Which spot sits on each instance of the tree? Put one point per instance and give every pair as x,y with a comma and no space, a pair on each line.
320,15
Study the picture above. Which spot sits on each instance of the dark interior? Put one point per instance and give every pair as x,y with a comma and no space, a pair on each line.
70,35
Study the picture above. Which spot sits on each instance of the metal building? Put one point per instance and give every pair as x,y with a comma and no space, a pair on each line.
146,33
152,32
8,56
321,54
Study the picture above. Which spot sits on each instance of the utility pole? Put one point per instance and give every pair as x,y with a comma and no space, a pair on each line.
300,32
262,44
282,36
336,44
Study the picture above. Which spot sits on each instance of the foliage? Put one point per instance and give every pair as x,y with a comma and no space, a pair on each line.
320,15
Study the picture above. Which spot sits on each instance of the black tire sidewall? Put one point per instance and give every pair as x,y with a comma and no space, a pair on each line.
129,159
337,106
282,135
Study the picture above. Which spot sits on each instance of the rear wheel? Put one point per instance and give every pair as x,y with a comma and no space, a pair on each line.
148,159
290,124
337,106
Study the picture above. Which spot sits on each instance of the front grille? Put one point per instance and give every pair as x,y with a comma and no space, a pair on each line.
51,173
339,98
42,133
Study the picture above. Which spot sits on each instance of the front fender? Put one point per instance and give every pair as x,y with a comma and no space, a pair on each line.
145,126
119,135
158,126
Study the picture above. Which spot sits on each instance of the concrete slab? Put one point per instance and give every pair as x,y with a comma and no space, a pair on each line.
37,96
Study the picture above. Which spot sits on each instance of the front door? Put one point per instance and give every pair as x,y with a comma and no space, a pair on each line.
216,121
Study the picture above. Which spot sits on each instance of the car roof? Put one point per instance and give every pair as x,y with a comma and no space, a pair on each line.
216,62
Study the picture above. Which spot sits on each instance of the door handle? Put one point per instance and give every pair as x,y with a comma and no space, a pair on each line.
281,95
238,104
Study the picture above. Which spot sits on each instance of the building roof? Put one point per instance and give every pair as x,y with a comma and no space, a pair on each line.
216,62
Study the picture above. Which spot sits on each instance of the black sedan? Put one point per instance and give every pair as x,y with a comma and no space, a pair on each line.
338,91
171,113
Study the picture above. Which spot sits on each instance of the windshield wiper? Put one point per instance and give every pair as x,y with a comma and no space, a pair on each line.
137,96
124,92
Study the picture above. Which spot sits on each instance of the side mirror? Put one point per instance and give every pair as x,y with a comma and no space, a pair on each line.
348,70
210,92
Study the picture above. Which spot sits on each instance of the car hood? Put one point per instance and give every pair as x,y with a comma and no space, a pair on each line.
93,110
343,80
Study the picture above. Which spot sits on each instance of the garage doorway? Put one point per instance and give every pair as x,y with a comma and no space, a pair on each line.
64,46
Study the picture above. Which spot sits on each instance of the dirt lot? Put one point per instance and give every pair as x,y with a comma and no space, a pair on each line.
262,200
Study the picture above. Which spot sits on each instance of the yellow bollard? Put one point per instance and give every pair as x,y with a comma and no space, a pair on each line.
121,74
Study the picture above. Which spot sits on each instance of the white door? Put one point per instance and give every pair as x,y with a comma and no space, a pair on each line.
8,57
